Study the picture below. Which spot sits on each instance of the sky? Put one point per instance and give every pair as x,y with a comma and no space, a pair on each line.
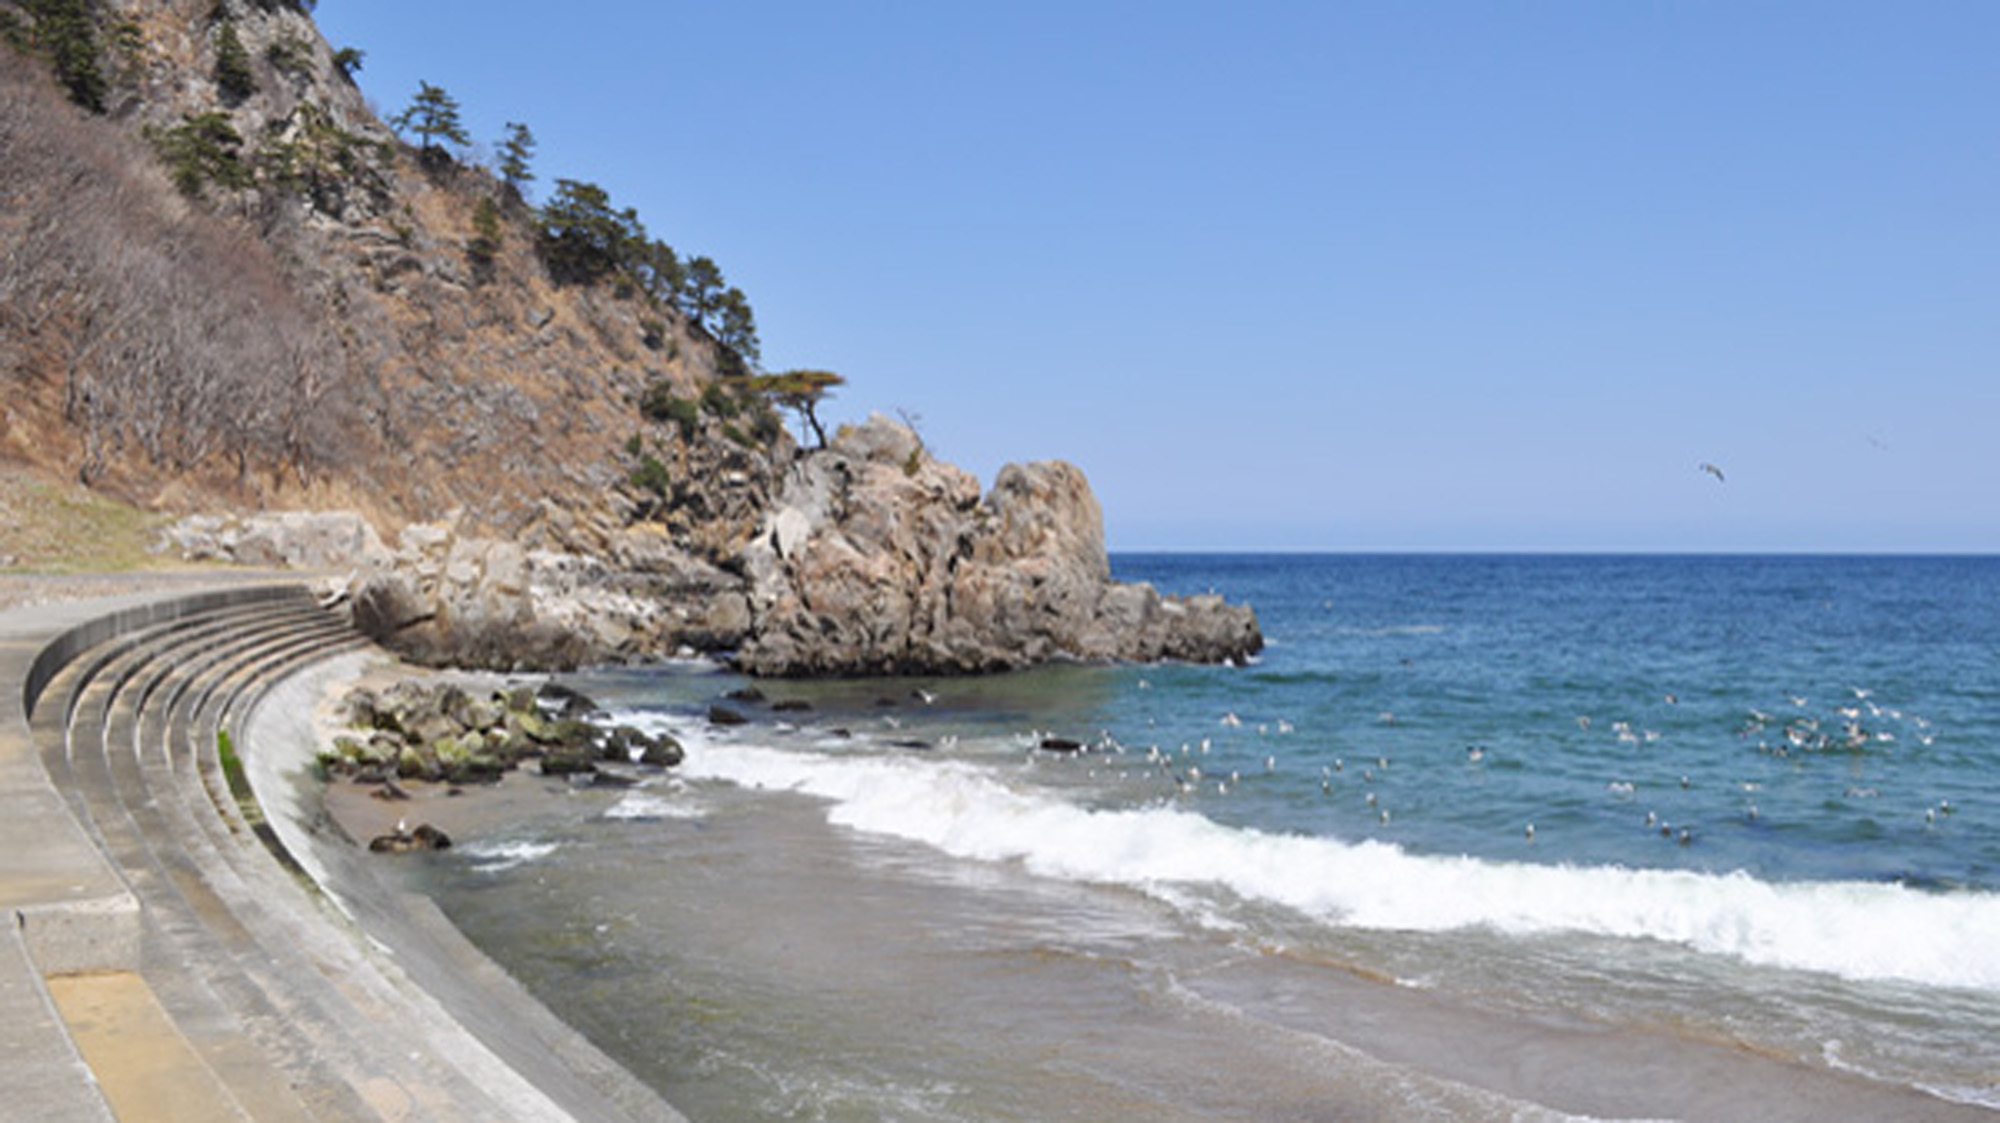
1359,276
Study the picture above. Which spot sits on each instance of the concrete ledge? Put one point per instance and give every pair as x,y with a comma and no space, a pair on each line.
73,937
388,1011
73,910
47,1079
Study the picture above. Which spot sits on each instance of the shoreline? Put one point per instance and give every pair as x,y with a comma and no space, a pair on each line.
360,815
1737,1066
471,1008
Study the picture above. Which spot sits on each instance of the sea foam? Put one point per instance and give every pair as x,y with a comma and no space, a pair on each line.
1857,930
505,854
644,806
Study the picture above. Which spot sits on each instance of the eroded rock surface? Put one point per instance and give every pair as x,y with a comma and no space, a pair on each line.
878,558
871,557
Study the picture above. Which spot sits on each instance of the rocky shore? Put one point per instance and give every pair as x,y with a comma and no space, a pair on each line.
404,743
871,557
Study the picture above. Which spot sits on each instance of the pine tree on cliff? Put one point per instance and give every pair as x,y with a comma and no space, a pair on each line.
736,330
801,391
583,239
433,117
63,32
232,63
516,152
347,60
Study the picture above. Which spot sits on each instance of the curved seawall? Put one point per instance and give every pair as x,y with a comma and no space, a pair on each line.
174,954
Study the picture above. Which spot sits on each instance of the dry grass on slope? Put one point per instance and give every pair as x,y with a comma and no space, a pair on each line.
51,527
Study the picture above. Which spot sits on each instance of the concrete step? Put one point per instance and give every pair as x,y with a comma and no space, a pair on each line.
74,634
87,657
73,918
264,997
47,1077
86,704
238,871
333,1049
283,1026
98,672
220,1009
148,1070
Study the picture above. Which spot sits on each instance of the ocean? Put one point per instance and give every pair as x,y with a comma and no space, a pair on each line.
1476,837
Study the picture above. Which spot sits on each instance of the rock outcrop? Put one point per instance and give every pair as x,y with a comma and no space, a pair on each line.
470,601
282,539
877,558
872,558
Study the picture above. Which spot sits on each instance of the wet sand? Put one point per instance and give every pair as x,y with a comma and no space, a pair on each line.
360,809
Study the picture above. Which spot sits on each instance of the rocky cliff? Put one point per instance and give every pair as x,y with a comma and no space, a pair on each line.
233,289
876,557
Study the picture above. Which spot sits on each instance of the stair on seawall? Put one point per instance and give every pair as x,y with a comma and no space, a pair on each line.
222,1012
278,1037
179,1033
170,961
75,923
247,1013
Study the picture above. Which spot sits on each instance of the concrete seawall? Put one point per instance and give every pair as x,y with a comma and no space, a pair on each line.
188,941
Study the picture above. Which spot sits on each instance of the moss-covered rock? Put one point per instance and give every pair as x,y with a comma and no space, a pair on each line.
413,731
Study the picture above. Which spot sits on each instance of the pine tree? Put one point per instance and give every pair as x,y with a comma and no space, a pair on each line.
801,391
736,328
232,63
347,60
64,32
515,154
203,149
700,297
583,239
486,235
432,117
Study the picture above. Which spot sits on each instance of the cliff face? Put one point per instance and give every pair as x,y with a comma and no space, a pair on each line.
250,295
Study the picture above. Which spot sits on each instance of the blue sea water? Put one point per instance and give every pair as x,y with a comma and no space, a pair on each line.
1750,804
1847,700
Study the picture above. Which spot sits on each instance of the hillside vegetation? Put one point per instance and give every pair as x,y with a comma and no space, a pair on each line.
225,282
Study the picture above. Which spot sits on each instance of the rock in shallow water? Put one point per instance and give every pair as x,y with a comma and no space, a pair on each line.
400,841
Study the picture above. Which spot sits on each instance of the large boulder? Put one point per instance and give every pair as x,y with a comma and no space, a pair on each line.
877,558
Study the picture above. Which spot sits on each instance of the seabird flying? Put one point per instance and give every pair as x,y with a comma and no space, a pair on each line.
1712,470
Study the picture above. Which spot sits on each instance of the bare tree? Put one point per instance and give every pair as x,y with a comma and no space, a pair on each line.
176,334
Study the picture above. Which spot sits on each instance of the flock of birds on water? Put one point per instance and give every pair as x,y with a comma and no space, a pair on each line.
1854,728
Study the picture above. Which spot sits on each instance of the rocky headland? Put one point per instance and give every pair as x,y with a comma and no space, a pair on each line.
871,557
878,558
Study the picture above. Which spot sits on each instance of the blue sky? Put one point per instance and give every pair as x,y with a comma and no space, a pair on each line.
1343,276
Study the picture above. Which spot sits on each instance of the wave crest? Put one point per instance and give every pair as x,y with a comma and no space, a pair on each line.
1858,930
